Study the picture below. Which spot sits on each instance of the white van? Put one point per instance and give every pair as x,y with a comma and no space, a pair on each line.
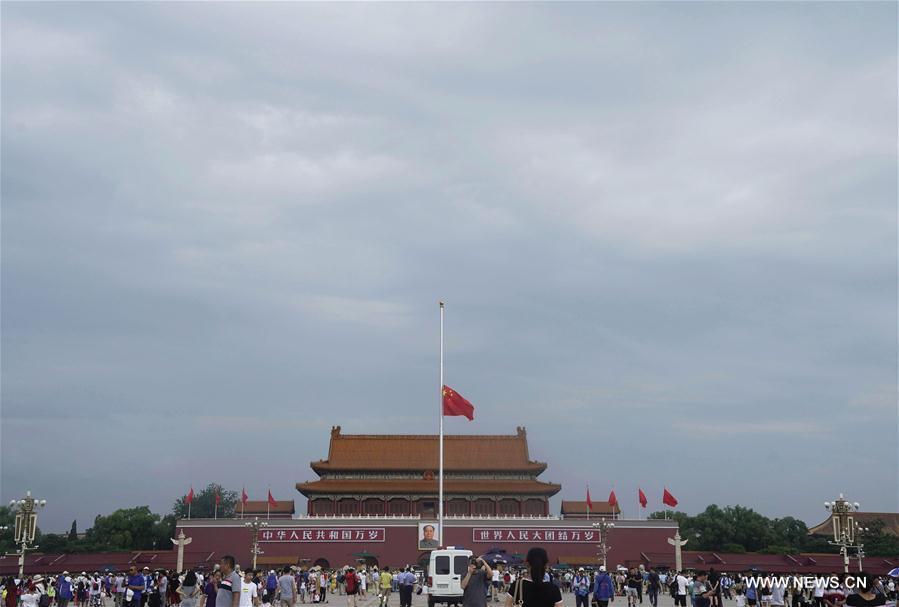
446,568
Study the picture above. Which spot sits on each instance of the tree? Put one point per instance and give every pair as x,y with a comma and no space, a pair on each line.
8,520
877,541
741,529
57,542
790,532
203,505
124,529
73,532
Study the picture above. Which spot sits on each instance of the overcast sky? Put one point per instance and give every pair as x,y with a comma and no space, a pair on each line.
666,235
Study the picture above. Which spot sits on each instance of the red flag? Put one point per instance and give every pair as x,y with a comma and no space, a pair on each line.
613,501
218,499
455,404
244,497
271,500
190,496
643,500
589,501
668,499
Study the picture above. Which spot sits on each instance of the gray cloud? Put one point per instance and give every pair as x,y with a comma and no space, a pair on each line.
666,233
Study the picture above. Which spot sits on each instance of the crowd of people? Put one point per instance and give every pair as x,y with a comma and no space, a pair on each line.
227,586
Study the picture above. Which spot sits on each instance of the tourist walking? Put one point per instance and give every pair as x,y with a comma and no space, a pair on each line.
530,590
632,584
249,592
603,588
406,584
287,589
581,588
189,590
385,582
351,586
653,586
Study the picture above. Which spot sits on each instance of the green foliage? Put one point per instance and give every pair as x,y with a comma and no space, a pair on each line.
741,529
7,519
73,532
203,505
128,529
877,541
55,543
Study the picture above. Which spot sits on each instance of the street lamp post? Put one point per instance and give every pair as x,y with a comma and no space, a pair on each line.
604,527
859,531
254,526
844,526
26,525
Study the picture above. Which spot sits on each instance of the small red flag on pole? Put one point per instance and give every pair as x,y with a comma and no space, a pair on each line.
643,500
589,502
243,500
668,499
189,500
271,504
455,404
613,501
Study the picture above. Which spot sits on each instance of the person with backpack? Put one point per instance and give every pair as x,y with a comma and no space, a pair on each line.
351,585
95,590
64,590
603,588
580,585
271,586
40,589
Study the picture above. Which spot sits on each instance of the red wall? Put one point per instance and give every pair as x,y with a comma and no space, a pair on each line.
401,547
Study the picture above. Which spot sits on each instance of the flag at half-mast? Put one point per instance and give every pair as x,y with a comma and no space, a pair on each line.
456,404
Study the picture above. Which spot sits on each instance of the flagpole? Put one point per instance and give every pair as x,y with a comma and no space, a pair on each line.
268,503
440,476
188,510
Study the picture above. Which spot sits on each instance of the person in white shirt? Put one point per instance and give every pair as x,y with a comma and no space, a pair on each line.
363,582
680,597
249,594
495,584
818,591
119,588
777,593
30,596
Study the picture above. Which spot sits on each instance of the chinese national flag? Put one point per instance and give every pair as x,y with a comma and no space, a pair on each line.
218,499
589,501
190,496
613,501
455,404
243,496
643,500
271,500
668,499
